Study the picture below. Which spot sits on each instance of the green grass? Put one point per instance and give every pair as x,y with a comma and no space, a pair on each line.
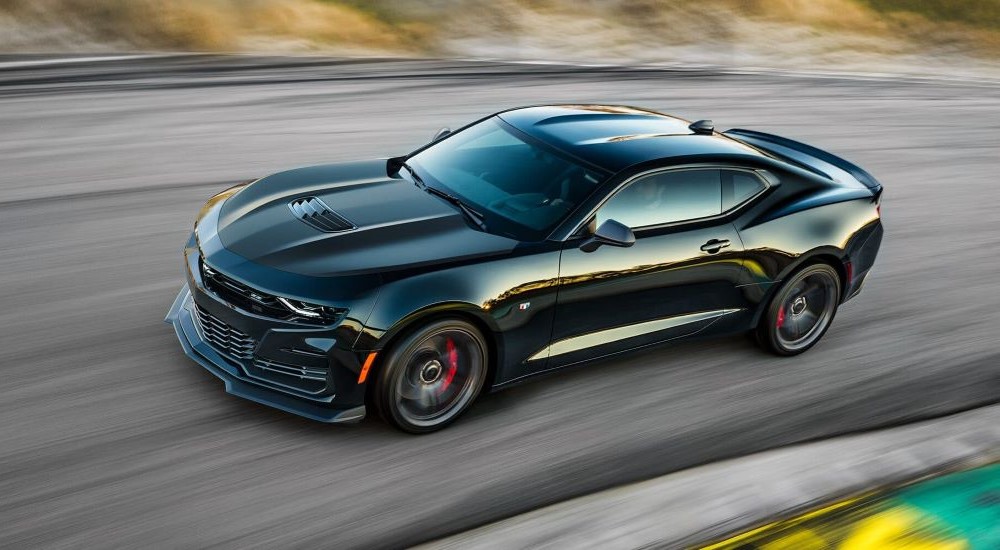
389,11
978,13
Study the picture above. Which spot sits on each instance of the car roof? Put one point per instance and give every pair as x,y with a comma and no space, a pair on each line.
615,137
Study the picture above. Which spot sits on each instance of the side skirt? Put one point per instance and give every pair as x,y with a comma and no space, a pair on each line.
570,344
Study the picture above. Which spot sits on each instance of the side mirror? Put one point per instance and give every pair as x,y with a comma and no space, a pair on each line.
441,134
612,233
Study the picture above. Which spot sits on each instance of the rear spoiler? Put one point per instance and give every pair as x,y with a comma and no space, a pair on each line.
806,156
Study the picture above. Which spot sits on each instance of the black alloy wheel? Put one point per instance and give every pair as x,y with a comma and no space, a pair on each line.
431,376
801,312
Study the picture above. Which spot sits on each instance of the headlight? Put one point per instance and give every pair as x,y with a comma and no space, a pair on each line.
312,311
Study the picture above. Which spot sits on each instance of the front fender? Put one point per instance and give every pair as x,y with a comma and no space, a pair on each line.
513,297
441,309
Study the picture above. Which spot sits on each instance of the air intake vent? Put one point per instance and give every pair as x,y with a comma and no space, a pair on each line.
232,343
307,379
317,214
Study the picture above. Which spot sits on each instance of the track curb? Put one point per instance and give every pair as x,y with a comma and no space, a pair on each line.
710,502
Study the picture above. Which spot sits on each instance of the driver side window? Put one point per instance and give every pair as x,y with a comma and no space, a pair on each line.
666,197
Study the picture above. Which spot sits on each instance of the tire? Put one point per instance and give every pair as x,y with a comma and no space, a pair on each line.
431,376
801,311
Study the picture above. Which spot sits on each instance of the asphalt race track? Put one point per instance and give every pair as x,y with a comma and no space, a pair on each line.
109,436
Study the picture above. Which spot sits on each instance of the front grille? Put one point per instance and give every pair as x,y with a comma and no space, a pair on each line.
241,295
308,379
317,214
232,343
257,301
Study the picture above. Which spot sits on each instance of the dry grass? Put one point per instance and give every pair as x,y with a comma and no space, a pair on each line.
625,28
214,25
764,28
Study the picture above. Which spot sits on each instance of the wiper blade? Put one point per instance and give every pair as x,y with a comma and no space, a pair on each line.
416,177
473,215
470,213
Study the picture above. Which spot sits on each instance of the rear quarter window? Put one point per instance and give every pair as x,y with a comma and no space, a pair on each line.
739,186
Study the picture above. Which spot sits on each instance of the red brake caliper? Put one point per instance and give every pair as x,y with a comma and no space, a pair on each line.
781,318
452,365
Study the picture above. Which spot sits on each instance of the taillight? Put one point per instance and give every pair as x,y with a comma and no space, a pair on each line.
878,209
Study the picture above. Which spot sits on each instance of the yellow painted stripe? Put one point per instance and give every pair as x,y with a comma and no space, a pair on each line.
732,542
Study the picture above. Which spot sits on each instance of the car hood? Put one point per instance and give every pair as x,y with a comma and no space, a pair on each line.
396,225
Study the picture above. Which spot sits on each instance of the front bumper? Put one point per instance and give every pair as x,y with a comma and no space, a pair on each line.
322,408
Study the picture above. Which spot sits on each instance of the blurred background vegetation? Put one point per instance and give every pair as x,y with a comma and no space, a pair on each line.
977,13
744,31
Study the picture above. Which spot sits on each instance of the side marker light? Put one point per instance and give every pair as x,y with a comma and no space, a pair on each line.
364,368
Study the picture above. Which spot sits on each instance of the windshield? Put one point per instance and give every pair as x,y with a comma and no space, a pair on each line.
521,189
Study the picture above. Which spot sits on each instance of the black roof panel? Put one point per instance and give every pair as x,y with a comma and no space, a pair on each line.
616,137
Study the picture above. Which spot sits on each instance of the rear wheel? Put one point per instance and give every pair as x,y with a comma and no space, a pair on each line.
431,376
801,312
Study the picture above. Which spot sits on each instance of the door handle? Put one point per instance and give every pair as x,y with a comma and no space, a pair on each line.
715,245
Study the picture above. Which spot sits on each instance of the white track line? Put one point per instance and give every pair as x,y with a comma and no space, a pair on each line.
70,60
752,70
666,67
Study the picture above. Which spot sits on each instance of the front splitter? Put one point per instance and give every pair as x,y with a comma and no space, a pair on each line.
182,318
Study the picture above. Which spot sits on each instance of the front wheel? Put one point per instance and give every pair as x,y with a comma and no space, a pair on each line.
801,311
431,376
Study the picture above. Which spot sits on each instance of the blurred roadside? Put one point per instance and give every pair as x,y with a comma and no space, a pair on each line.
897,36
955,511
930,485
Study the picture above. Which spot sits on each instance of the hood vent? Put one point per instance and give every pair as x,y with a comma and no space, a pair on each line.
317,214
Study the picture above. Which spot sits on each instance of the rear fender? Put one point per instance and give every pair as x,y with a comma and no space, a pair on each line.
824,254
829,232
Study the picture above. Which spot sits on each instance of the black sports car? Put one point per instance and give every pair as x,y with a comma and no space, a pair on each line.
530,240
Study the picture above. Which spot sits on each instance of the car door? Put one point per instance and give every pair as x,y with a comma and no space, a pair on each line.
680,276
